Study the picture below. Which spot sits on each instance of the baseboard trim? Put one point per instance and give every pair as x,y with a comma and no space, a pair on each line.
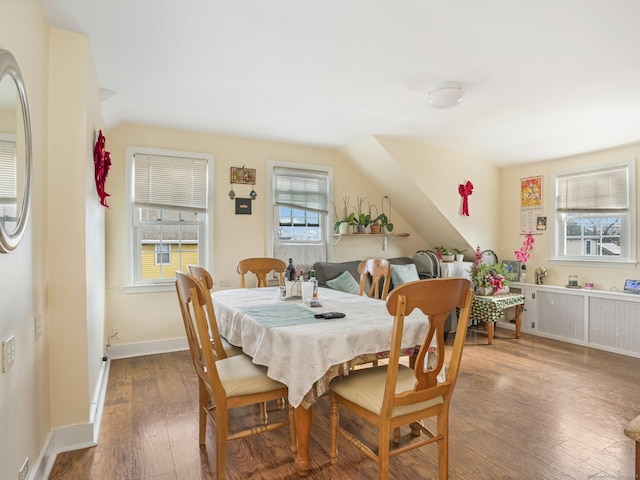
75,437
148,348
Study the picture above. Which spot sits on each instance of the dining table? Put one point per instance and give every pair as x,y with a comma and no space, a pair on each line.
304,352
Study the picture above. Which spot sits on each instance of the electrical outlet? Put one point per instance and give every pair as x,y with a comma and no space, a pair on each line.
533,324
114,331
38,326
225,283
8,352
24,470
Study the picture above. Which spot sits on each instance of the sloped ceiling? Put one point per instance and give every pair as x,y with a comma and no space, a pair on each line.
542,79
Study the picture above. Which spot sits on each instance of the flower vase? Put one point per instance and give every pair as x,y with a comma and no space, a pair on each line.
484,291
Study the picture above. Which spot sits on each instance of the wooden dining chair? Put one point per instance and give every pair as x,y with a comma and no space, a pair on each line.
393,396
261,267
380,270
204,277
226,383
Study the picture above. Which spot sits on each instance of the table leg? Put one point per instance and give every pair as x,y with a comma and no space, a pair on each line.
518,319
303,430
490,328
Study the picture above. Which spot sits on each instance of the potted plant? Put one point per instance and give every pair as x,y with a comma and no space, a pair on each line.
489,279
444,254
344,226
364,220
380,222
459,254
344,222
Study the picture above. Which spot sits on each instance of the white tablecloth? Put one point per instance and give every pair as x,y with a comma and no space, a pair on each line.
300,355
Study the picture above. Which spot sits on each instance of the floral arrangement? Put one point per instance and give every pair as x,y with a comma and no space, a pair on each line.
522,255
494,276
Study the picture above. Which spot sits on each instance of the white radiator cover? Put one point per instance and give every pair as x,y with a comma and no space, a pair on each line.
620,324
596,318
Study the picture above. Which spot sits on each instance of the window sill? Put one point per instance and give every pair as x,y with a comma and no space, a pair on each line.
155,288
594,263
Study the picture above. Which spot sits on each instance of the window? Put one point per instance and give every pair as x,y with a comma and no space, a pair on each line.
169,205
300,198
595,214
163,254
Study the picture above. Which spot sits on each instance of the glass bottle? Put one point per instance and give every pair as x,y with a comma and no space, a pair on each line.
312,278
290,272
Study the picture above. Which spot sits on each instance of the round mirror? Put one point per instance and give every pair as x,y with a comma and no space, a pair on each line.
15,154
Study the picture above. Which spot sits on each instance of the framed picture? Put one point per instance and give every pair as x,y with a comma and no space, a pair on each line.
513,270
243,175
243,206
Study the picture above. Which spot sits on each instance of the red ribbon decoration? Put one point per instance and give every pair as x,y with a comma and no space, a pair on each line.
102,164
465,190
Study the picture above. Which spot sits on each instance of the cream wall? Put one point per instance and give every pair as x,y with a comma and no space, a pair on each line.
438,172
604,277
76,232
144,317
56,270
24,388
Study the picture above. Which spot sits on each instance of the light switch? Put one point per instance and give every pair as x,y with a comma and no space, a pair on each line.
8,352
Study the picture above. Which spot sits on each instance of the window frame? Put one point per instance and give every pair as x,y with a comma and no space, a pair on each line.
206,235
628,222
272,222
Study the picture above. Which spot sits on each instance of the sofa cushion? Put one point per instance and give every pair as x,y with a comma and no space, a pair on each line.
345,283
328,270
403,274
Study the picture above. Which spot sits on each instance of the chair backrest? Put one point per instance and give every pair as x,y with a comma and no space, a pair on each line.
193,299
379,269
424,264
436,262
261,267
489,257
436,298
203,276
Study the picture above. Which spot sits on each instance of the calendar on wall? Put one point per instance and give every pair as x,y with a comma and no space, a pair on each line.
532,220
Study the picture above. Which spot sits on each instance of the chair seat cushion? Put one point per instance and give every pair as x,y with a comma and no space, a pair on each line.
240,376
366,388
633,429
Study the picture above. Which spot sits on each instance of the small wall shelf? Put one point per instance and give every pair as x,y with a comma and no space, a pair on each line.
383,236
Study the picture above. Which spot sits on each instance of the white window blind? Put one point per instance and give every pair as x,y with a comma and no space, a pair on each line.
302,189
169,182
603,190
8,172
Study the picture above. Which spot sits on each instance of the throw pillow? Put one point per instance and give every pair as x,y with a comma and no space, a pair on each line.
403,274
345,283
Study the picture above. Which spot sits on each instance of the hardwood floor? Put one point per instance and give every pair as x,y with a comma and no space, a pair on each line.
522,409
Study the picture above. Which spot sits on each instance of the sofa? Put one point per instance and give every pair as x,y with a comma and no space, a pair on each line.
328,271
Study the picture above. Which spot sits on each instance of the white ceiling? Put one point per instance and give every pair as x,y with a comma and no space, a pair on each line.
542,79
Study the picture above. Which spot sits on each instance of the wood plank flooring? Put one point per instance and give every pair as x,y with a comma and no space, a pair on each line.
522,409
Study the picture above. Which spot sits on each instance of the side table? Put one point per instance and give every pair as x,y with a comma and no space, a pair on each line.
490,308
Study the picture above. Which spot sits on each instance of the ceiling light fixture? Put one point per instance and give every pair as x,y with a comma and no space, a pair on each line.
446,95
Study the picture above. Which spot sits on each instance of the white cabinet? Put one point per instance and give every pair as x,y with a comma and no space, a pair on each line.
595,318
